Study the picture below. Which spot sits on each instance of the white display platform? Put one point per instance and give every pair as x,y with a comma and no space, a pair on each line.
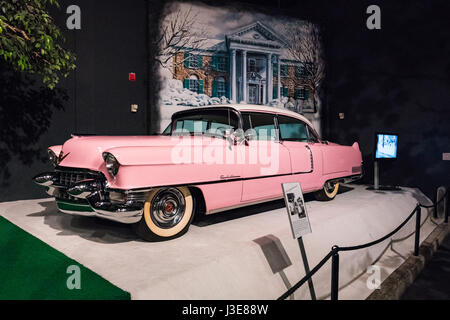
221,260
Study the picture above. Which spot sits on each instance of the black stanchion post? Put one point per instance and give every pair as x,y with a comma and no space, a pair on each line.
335,273
306,265
417,239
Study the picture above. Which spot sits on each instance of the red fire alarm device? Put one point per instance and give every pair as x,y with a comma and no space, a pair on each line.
132,76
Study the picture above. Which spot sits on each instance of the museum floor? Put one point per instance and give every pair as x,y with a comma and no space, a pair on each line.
219,259
433,283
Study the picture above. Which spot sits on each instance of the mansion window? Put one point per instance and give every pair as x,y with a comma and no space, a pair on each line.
302,94
284,91
219,63
193,84
252,65
193,61
219,88
284,70
222,64
300,71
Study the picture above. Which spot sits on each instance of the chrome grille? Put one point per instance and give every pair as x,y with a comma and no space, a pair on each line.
67,178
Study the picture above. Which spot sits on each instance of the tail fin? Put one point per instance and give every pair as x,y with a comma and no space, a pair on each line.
355,145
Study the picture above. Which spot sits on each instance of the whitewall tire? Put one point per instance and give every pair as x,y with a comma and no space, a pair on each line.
328,192
168,213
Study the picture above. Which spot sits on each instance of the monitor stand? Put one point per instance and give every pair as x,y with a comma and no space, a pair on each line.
376,181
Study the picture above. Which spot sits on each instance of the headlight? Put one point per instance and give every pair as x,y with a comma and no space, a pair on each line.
112,165
52,157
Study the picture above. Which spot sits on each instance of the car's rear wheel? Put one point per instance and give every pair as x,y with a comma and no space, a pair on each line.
328,192
168,213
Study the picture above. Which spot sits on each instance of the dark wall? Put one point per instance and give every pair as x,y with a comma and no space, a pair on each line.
395,79
95,98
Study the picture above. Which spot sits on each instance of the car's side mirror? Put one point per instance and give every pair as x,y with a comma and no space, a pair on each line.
238,137
231,137
249,135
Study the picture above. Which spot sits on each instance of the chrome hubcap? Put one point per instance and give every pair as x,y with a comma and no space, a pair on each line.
329,187
168,208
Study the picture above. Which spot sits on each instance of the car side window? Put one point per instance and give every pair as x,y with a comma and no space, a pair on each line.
292,129
167,131
312,135
214,122
262,124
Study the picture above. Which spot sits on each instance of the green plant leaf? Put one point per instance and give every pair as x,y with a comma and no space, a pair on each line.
34,43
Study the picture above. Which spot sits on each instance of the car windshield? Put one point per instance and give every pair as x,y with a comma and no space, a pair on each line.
203,122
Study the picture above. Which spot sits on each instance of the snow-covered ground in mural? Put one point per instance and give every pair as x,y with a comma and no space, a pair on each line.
174,94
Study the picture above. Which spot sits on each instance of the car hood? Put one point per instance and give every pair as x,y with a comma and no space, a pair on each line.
86,151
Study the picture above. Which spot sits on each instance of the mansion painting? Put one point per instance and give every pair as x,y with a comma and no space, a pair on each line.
211,56
249,66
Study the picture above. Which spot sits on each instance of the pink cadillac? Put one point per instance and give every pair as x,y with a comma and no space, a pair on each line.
209,159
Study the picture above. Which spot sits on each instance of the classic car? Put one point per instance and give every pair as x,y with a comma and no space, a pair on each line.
209,159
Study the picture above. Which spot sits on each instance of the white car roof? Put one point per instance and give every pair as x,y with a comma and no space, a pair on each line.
261,108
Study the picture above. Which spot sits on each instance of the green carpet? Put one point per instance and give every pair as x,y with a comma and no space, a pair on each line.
31,269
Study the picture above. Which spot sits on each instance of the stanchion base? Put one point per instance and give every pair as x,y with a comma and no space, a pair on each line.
385,188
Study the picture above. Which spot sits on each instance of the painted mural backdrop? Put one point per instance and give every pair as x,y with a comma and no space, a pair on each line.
211,56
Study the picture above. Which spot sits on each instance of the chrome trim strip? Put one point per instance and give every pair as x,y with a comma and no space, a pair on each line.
130,213
85,205
78,213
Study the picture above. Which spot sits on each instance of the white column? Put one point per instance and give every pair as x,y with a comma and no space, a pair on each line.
244,76
264,90
279,78
269,75
233,75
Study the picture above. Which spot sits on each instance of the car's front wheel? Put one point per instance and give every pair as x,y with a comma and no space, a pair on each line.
168,213
328,192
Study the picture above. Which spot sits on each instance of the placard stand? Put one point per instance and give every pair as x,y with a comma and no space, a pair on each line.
298,218
306,265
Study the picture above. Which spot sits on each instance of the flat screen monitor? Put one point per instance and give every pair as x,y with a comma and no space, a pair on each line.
386,146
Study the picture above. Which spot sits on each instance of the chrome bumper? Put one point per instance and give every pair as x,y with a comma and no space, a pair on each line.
91,197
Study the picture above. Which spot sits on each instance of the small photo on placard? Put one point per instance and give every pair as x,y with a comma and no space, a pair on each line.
296,208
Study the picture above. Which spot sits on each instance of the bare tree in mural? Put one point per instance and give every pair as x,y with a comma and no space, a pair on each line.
305,44
178,34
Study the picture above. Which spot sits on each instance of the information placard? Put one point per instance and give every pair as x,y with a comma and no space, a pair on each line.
296,208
